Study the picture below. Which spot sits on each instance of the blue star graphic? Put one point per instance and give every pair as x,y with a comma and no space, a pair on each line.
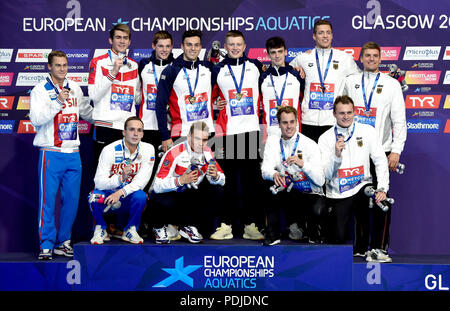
179,273
119,21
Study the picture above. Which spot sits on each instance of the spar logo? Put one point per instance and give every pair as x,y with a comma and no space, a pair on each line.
259,54
390,53
32,55
422,53
6,102
79,77
423,126
353,51
6,55
422,101
25,127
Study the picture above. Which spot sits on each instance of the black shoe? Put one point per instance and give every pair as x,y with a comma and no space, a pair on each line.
269,241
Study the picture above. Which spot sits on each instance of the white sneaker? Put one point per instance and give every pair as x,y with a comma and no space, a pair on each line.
251,232
173,233
191,234
161,235
223,232
64,249
132,236
378,255
295,233
100,235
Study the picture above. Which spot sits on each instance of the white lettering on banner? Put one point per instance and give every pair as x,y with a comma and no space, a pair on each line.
394,22
375,12
76,9
431,283
374,275
63,24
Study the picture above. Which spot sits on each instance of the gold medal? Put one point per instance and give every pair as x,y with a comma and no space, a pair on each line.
191,99
367,113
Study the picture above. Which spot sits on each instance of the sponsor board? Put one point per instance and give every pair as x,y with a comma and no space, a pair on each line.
423,77
446,53
294,52
447,102
25,127
23,103
422,53
32,55
390,53
353,51
6,78
6,102
446,77
30,78
77,55
259,54
6,55
7,126
423,126
422,101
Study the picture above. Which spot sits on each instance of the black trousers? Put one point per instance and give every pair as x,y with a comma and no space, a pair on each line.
239,157
381,221
313,131
191,207
297,207
342,212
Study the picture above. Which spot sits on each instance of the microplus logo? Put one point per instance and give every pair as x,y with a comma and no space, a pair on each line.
5,55
423,126
422,53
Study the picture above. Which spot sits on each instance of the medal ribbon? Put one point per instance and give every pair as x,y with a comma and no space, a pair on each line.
322,80
191,91
279,99
338,135
238,87
293,150
367,104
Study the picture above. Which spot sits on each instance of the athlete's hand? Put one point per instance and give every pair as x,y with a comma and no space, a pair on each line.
63,95
188,178
221,104
127,170
114,198
295,160
212,171
393,159
116,66
167,144
279,180
340,145
380,196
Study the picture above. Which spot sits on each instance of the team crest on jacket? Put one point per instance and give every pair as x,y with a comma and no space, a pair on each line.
359,141
379,89
335,65
357,86
310,64
300,154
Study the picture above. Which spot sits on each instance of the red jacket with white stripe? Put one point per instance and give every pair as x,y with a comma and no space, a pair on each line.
176,161
114,97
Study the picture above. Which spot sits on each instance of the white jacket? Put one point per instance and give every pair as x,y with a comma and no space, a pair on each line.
57,124
111,164
114,98
312,173
176,161
317,108
348,174
387,108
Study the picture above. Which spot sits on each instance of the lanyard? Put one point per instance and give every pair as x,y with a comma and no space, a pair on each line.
191,91
128,160
54,87
293,150
279,99
338,135
238,87
367,104
155,75
322,84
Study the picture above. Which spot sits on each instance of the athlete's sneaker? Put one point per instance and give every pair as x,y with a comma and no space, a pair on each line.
295,233
271,240
223,232
191,234
64,249
251,232
173,233
100,235
161,236
378,255
45,254
362,255
132,236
